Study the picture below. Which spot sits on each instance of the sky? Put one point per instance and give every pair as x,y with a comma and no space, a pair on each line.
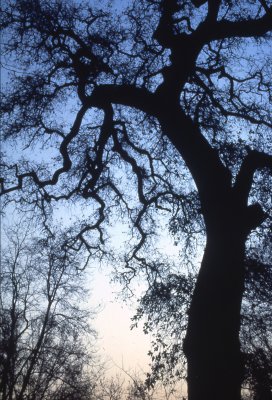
118,344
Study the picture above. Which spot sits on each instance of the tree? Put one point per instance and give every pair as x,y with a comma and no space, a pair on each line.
130,387
172,98
43,352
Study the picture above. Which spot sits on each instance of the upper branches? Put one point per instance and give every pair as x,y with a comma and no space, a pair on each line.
219,22
78,75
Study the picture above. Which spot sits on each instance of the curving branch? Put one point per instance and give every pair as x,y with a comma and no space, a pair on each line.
203,162
164,33
66,161
199,3
252,162
95,166
127,95
225,29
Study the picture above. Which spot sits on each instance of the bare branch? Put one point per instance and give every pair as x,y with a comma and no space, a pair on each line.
65,157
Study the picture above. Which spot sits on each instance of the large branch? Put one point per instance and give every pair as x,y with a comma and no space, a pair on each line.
203,162
253,161
164,33
198,3
127,95
213,9
224,29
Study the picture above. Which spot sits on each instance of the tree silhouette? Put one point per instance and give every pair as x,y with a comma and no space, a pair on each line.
43,354
164,108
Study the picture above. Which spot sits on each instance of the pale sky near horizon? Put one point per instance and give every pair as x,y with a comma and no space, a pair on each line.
117,343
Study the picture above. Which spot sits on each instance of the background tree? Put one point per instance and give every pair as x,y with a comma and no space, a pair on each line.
45,336
130,386
167,121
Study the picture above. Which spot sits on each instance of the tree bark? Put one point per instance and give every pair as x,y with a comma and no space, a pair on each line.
212,346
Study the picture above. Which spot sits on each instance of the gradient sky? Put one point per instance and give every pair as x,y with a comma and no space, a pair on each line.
119,344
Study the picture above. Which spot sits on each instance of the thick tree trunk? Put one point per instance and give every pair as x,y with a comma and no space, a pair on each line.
212,347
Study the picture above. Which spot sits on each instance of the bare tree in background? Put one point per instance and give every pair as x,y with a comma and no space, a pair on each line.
159,116
130,386
47,349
